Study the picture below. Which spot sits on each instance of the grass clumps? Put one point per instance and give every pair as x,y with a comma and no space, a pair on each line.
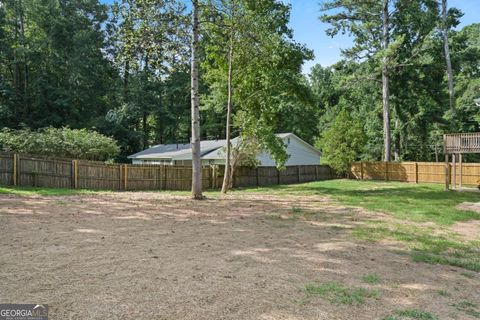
425,245
411,314
468,275
465,260
340,294
371,278
468,307
297,212
443,293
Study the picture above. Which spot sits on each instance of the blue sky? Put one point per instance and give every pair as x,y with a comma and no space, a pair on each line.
309,30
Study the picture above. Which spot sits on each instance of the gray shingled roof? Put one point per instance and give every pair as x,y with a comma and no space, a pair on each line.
168,151
175,151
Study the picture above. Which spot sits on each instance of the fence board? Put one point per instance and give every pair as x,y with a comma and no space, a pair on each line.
6,169
66,173
432,172
44,173
289,175
98,176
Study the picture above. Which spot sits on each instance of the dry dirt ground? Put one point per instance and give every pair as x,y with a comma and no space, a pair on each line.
160,256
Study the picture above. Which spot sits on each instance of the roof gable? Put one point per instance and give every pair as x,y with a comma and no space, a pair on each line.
303,142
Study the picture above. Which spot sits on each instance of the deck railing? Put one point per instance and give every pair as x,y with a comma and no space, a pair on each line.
462,142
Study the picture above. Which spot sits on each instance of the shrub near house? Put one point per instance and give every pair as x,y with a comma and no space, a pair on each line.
60,142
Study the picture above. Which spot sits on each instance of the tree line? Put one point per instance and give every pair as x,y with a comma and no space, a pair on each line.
125,70
409,78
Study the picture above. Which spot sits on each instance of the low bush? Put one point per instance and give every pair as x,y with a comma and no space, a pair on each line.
60,142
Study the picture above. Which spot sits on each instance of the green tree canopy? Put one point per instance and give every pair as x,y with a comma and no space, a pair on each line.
343,142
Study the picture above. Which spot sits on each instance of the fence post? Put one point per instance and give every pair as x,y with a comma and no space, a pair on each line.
165,176
298,174
120,170
447,173
216,172
125,177
361,170
160,178
74,174
256,176
211,171
416,172
386,171
278,175
460,159
14,162
19,170
316,173
454,173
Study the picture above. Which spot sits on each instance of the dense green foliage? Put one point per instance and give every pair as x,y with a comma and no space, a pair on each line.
60,142
266,63
122,69
415,61
343,142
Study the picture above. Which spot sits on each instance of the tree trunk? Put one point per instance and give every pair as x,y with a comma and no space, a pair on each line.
145,129
396,152
145,110
385,86
25,98
447,55
126,76
227,177
195,140
16,62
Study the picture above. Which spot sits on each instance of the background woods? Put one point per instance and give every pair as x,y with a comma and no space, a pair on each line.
123,69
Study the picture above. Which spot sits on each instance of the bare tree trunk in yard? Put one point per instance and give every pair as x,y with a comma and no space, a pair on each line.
396,151
26,93
126,78
227,177
447,55
385,86
195,140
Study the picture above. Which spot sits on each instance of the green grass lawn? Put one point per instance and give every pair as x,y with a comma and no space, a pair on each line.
413,202
31,191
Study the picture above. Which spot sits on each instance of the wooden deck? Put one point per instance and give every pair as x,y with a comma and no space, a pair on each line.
457,143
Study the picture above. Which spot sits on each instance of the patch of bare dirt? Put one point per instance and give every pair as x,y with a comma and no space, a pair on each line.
468,230
471,206
159,256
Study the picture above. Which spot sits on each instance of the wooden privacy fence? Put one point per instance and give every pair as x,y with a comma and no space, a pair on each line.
433,172
35,171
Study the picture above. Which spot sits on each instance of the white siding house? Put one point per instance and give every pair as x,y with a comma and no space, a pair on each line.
213,152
